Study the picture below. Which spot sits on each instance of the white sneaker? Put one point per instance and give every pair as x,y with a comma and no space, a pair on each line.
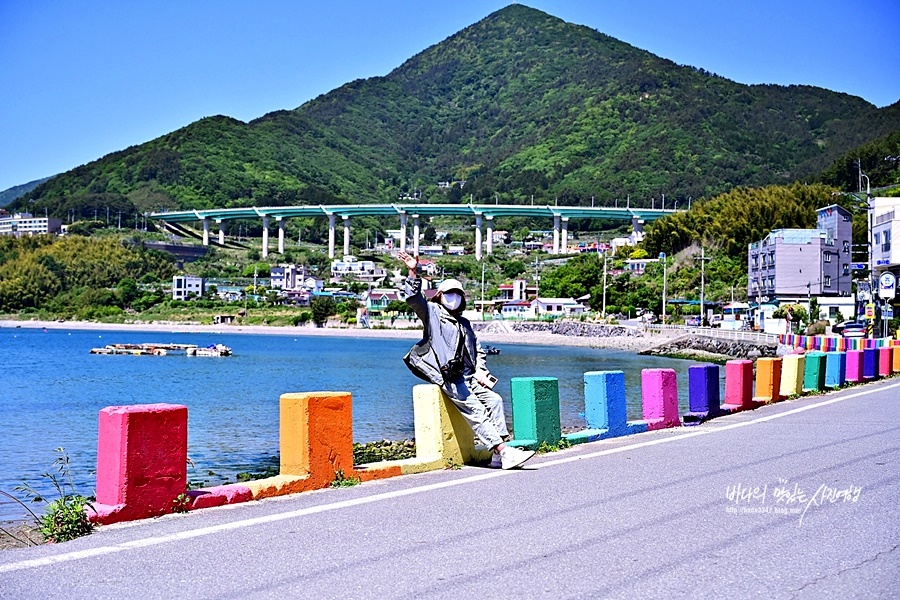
513,458
496,463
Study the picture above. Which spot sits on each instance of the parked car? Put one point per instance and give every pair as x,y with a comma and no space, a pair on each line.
850,329
692,322
715,321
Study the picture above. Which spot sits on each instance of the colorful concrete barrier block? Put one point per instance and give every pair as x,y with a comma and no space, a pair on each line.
835,369
141,461
814,372
535,411
792,368
854,366
895,359
870,364
884,361
738,386
659,396
703,394
605,409
768,380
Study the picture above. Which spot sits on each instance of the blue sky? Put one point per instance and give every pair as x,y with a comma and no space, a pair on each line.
83,79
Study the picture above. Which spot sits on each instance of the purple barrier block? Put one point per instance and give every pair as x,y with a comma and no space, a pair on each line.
870,363
604,408
884,361
854,366
703,394
659,395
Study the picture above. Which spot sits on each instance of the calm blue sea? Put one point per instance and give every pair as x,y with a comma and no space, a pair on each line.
52,390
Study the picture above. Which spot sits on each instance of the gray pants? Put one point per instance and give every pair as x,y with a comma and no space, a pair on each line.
482,409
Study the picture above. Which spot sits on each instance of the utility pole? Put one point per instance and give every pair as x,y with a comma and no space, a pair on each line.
662,257
604,285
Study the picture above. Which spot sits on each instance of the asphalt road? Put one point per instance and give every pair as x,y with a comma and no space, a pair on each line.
796,500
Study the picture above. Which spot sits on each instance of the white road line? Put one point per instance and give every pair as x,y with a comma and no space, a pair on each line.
204,531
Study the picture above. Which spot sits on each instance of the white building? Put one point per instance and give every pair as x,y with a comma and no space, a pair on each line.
288,277
182,285
360,270
20,224
885,221
556,307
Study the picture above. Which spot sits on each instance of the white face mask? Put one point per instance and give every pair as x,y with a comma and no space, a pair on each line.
451,300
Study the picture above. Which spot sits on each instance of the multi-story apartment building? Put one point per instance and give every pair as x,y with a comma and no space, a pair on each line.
795,264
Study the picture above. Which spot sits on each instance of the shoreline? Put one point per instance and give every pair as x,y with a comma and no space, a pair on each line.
620,343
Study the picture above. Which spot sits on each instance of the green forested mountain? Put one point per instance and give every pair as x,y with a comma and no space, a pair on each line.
7,196
517,104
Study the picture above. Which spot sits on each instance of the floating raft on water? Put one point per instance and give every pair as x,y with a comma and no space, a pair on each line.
164,349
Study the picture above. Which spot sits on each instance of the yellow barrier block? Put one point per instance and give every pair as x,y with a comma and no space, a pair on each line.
441,432
895,359
768,380
793,367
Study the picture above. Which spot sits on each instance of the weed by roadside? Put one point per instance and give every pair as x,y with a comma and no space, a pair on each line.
64,518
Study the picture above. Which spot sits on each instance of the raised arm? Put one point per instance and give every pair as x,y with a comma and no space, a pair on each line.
414,297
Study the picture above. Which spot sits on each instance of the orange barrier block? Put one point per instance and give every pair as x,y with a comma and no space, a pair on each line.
895,359
768,380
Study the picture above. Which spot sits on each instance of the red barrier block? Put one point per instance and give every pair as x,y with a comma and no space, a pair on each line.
141,461
884,361
739,386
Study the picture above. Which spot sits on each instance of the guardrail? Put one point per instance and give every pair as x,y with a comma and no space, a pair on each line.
722,334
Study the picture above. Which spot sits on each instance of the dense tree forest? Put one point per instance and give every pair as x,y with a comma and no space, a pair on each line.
518,104
84,277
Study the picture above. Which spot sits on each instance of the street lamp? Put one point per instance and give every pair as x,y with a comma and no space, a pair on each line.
662,258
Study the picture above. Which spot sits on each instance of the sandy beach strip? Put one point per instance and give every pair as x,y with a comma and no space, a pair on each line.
623,343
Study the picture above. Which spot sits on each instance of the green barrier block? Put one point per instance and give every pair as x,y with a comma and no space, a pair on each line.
535,409
814,372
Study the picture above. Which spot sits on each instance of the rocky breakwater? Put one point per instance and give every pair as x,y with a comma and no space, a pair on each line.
712,348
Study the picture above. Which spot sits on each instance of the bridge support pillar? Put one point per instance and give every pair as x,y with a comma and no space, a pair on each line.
555,234
489,224
280,221
346,235
565,234
403,217
265,237
416,236
206,231
477,237
330,236
221,225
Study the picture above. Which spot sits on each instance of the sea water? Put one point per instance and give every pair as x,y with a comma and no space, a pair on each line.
52,388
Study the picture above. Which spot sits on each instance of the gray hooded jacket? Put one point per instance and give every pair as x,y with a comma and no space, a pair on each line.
440,340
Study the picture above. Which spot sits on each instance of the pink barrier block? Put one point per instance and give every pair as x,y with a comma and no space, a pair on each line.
854,366
884,361
141,461
739,386
659,395
219,496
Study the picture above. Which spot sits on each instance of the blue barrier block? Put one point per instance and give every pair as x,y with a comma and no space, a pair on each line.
835,369
605,411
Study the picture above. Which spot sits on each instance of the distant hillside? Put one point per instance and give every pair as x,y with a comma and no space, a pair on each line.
7,196
517,104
